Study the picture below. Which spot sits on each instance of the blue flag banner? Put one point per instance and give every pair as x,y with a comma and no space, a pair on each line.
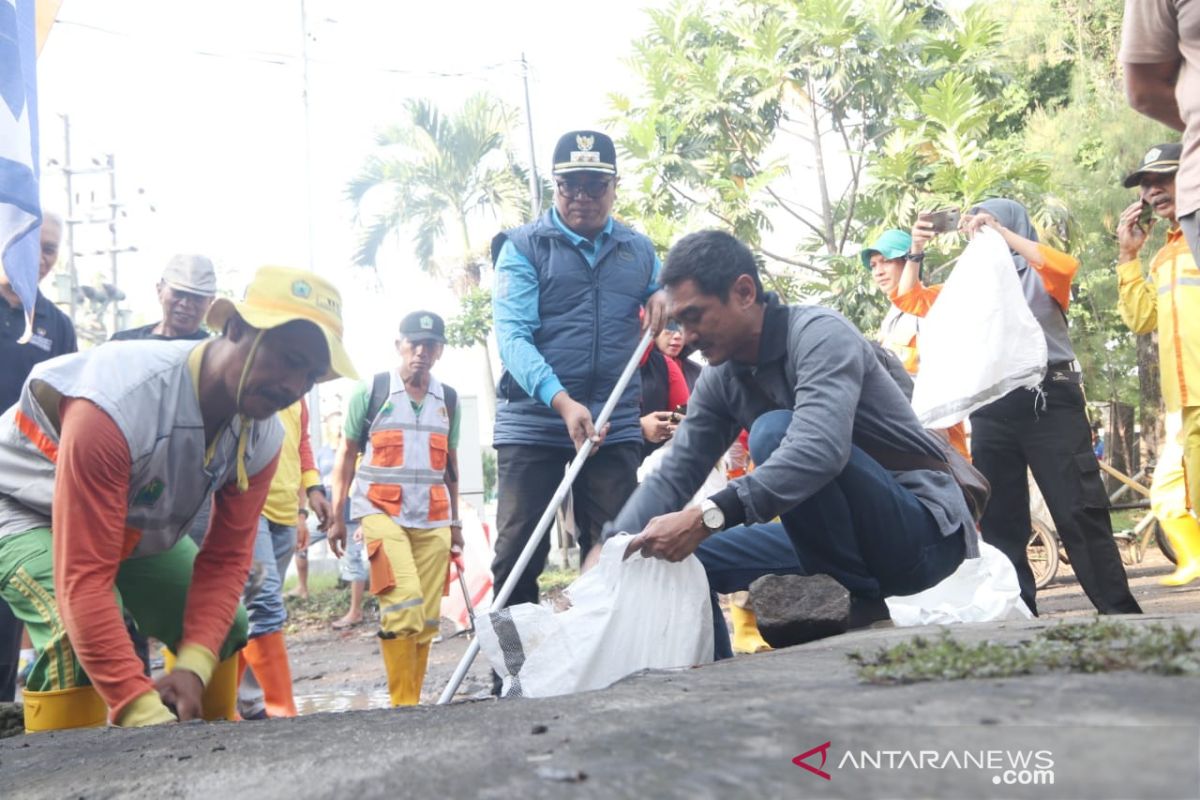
20,209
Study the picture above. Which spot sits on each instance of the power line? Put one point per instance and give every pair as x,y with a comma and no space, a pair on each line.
291,59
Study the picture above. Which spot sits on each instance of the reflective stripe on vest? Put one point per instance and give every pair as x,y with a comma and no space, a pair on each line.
402,472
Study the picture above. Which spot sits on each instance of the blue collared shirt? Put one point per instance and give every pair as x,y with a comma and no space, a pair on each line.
516,310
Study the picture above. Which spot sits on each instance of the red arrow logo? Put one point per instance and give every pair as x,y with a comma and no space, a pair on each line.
823,749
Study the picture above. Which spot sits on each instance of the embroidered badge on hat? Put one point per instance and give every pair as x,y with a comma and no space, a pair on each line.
427,323
301,289
1152,156
585,154
585,151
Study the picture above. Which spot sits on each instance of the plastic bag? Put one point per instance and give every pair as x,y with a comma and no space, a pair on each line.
714,482
625,616
983,589
980,340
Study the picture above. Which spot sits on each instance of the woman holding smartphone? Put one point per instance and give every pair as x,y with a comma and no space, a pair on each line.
1044,430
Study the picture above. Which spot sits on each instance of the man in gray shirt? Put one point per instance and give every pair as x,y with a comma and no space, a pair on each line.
817,402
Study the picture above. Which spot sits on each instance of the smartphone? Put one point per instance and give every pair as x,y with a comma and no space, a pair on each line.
944,221
678,413
1145,216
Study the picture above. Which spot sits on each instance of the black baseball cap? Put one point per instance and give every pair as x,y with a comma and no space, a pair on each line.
1162,158
423,326
585,151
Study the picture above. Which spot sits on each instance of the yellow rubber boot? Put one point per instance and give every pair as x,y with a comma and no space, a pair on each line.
60,709
220,696
400,661
419,673
746,638
1184,535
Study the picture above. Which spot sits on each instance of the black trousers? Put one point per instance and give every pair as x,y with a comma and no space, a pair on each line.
527,476
1049,435
10,652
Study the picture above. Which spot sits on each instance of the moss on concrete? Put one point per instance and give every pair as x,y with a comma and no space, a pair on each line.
1098,646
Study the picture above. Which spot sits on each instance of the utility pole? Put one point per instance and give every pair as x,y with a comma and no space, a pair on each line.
113,207
308,180
314,394
92,329
69,222
535,185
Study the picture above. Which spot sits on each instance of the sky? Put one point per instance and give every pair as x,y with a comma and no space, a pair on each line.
201,105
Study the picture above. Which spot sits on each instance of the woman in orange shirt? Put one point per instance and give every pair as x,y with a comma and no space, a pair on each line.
1043,430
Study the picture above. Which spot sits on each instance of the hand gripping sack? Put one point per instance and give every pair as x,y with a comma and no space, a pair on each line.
625,616
980,340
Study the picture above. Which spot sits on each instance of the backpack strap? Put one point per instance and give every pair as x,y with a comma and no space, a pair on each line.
380,389
451,406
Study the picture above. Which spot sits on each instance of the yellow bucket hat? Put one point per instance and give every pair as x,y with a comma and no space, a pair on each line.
279,295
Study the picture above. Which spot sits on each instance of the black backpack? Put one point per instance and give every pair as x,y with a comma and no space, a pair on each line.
381,386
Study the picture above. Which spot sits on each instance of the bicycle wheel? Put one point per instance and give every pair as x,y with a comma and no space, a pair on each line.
1042,554
1164,544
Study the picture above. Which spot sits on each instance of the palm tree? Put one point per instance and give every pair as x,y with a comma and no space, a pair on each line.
442,172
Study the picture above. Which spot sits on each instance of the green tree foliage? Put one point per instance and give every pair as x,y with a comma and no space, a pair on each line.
1089,140
438,173
891,106
474,321
882,109
488,457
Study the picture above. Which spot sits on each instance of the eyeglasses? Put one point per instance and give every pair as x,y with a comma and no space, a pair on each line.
593,189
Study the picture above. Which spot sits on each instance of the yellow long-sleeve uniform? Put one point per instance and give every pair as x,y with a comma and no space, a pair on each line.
1168,298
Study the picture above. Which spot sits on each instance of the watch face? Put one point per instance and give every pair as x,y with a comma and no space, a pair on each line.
713,517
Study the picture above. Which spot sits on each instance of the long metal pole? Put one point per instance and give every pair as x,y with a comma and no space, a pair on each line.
543,525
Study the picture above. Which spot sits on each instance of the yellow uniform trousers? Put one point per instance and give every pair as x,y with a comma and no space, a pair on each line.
1176,489
1191,453
407,575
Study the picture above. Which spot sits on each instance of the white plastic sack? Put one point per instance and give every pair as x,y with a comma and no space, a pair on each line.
982,589
625,616
713,483
980,340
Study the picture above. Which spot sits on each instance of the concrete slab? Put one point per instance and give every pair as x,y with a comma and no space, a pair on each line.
730,729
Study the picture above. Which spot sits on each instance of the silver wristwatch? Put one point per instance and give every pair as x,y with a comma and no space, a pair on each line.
712,516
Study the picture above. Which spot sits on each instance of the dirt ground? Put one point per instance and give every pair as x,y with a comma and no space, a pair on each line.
342,670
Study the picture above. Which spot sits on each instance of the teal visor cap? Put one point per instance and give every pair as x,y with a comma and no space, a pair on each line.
893,243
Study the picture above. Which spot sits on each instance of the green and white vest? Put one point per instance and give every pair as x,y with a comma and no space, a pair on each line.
402,472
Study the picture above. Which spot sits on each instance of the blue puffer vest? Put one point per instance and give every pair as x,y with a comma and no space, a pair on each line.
589,328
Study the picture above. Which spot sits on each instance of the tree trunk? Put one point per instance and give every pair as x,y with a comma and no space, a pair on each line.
1120,445
822,182
1150,398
